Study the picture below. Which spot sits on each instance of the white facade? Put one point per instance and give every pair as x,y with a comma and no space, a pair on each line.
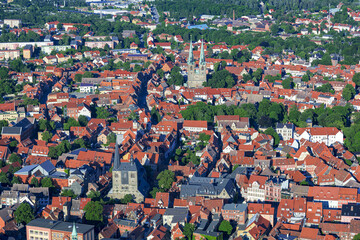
84,112
254,193
328,139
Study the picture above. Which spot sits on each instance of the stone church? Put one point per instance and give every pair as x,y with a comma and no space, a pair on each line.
196,75
128,178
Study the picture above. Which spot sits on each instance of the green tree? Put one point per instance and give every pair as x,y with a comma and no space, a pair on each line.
221,79
356,79
325,88
94,195
165,179
155,115
94,211
160,72
78,77
45,125
47,182
176,79
133,116
88,75
274,29
111,138
270,131
204,137
305,78
14,157
189,229
304,183
65,40
59,26
225,227
46,136
78,143
356,237
348,92
68,193
13,144
294,114
287,83
154,191
4,73
71,122
102,112
258,74
83,121
24,213
35,182
128,198
4,178
16,180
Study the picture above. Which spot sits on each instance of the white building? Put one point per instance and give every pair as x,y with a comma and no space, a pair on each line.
87,88
327,135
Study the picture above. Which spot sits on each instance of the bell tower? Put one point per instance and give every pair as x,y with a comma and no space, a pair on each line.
196,75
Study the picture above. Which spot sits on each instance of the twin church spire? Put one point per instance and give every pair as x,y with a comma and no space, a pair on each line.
191,55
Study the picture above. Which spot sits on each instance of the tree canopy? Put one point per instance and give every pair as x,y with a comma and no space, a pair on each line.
24,213
225,227
94,211
165,179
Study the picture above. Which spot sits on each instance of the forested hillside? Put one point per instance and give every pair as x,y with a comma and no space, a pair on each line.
186,8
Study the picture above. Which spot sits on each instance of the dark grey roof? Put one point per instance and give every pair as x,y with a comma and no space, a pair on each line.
28,47
352,210
75,205
24,123
206,186
125,222
282,125
60,226
239,170
40,191
176,211
235,207
5,214
48,166
11,130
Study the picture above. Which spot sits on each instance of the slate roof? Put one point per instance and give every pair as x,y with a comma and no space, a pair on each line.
60,226
11,130
235,207
206,186
352,210
26,170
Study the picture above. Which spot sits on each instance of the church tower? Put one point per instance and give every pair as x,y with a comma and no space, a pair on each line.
74,235
128,178
196,75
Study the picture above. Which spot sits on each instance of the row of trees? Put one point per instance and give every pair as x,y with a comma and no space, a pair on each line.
267,114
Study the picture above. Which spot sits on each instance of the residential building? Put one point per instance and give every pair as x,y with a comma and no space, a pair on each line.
49,229
285,131
235,212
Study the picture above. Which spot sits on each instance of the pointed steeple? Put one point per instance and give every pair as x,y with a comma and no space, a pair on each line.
74,233
202,54
116,157
191,56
